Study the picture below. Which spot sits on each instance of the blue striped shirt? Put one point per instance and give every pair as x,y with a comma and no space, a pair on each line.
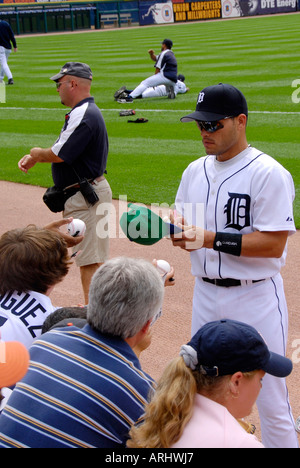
82,389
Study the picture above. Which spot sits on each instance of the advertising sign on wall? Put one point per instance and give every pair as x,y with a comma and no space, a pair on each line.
156,13
194,11
234,8
30,1
230,9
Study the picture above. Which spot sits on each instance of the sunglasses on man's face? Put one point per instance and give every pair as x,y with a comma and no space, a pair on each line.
211,127
60,83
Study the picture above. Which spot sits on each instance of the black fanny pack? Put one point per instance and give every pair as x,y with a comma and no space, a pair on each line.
55,198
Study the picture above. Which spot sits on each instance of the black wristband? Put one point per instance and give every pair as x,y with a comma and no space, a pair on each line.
228,243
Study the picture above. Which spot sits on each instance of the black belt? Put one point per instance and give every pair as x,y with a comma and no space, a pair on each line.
75,187
69,192
227,282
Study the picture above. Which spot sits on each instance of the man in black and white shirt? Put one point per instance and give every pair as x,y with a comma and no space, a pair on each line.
80,152
165,73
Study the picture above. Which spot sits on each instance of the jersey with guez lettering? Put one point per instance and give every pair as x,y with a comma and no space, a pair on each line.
22,315
250,192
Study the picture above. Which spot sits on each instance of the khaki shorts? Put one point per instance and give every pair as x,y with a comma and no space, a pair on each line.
95,246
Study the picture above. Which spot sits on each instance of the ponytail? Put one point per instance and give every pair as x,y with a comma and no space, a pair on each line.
169,410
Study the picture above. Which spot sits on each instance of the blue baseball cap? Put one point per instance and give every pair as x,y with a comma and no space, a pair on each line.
168,43
227,346
217,102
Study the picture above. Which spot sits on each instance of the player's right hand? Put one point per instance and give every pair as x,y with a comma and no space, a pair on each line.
152,54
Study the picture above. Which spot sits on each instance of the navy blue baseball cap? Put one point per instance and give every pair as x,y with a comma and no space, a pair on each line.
217,102
168,43
227,346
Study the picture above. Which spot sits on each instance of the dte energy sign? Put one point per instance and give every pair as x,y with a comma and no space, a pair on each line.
193,11
277,4
235,8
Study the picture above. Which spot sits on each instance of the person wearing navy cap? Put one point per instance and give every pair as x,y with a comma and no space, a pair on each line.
203,393
236,205
165,74
156,91
78,161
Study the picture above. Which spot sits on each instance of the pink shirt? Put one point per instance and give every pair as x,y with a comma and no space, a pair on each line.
212,426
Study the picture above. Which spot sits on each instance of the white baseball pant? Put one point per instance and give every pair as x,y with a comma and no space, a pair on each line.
154,80
4,68
157,91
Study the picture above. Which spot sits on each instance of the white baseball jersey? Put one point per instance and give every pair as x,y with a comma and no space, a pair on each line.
247,193
22,316
180,87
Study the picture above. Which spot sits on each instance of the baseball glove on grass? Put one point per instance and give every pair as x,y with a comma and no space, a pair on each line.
140,120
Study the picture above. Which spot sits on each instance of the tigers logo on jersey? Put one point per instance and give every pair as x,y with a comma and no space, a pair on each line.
237,210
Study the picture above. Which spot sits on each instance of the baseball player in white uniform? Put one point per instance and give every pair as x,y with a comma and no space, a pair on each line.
155,91
165,73
160,91
237,209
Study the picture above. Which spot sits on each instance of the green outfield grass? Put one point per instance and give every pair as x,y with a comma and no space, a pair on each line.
259,55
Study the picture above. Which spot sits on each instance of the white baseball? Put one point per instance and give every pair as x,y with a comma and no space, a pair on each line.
163,267
76,228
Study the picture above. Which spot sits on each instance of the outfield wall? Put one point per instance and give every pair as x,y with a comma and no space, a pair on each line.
34,16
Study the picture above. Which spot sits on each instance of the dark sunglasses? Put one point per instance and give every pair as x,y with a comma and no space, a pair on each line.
211,127
60,83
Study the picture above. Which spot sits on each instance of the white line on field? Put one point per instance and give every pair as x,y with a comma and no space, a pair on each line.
141,110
